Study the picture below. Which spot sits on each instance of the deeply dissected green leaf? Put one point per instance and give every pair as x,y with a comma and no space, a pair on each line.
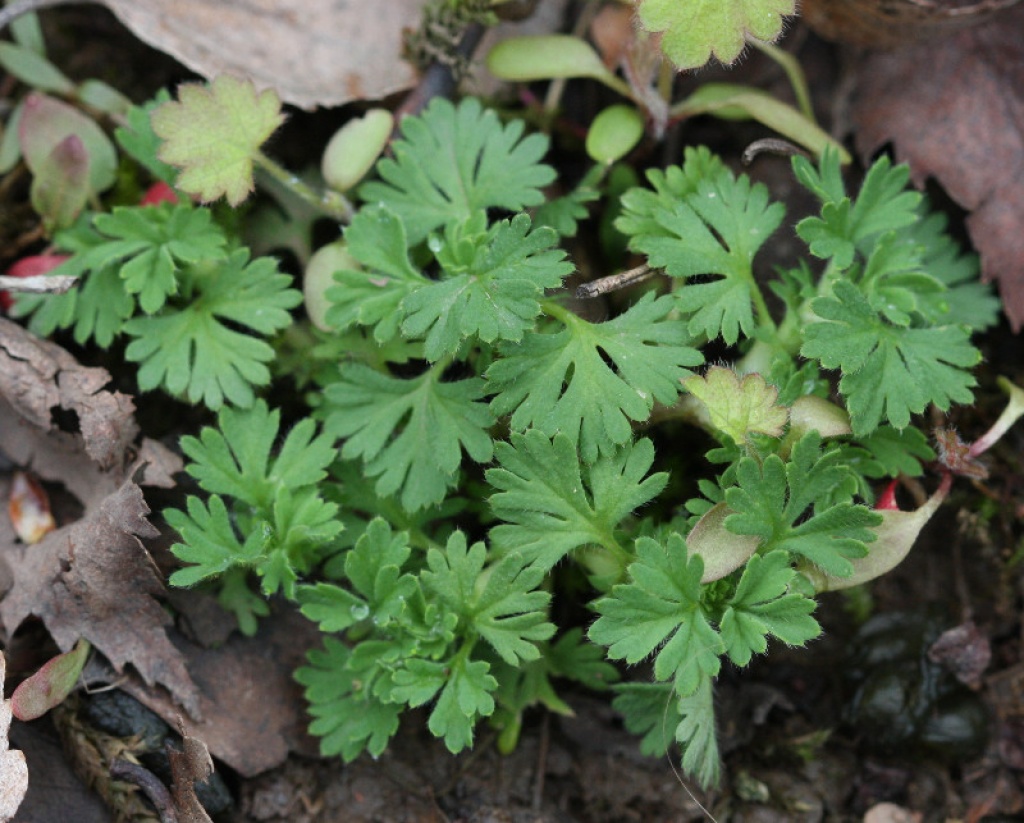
234,459
845,225
213,133
660,608
696,734
210,544
454,161
373,567
347,718
192,352
410,433
372,296
502,604
551,504
714,229
590,380
490,288
762,605
889,371
771,501
152,244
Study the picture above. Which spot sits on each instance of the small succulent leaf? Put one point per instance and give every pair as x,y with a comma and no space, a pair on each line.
46,122
48,687
60,185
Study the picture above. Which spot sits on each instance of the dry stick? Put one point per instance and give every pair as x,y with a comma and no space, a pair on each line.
614,282
771,145
150,785
10,13
39,283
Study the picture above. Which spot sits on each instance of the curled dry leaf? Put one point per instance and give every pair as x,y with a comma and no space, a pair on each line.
13,768
953,108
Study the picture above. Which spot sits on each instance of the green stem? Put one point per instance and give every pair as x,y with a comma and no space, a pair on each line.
794,72
332,204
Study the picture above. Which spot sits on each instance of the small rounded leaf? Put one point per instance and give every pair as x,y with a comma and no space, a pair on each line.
355,147
722,551
60,185
320,276
546,57
213,133
45,122
614,133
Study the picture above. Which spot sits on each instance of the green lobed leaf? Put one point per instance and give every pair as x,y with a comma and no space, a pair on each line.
491,295
660,608
210,544
454,161
213,134
777,501
372,296
590,380
889,371
716,229
501,604
696,30
192,351
696,734
152,243
347,718
739,407
235,458
762,605
465,698
845,225
411,433
552,504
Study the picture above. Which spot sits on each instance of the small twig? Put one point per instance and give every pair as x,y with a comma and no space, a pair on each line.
149,784
771,145
39,283
10,13
614,282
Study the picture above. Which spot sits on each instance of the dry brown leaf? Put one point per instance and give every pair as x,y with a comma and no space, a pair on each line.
13,767
190,763
953,108
37,377
94,579
312,52
253,712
